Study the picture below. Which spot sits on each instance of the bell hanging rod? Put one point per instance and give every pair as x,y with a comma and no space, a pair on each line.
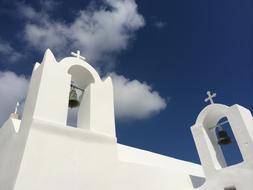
76,87
220,124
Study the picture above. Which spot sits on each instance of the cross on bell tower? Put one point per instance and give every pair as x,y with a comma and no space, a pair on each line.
210,97
78,55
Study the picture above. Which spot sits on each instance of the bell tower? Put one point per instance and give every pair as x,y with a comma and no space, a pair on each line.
52,86
219,176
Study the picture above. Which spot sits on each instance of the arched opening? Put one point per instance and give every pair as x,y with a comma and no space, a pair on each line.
75,98
81,78
230,150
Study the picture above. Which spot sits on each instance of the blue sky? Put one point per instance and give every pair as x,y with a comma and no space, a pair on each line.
171,51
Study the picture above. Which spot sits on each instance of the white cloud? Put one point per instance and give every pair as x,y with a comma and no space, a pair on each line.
49,5
13,88
7,52
160,24
99,32
134,99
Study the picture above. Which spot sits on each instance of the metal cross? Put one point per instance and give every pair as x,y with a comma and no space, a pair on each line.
210,97
78,55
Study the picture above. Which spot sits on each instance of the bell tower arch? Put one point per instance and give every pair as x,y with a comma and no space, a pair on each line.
48,94
210,153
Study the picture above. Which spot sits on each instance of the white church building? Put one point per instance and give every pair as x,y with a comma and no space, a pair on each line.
41,152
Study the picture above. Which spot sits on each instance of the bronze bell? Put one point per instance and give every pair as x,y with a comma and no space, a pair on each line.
73,101
223,138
